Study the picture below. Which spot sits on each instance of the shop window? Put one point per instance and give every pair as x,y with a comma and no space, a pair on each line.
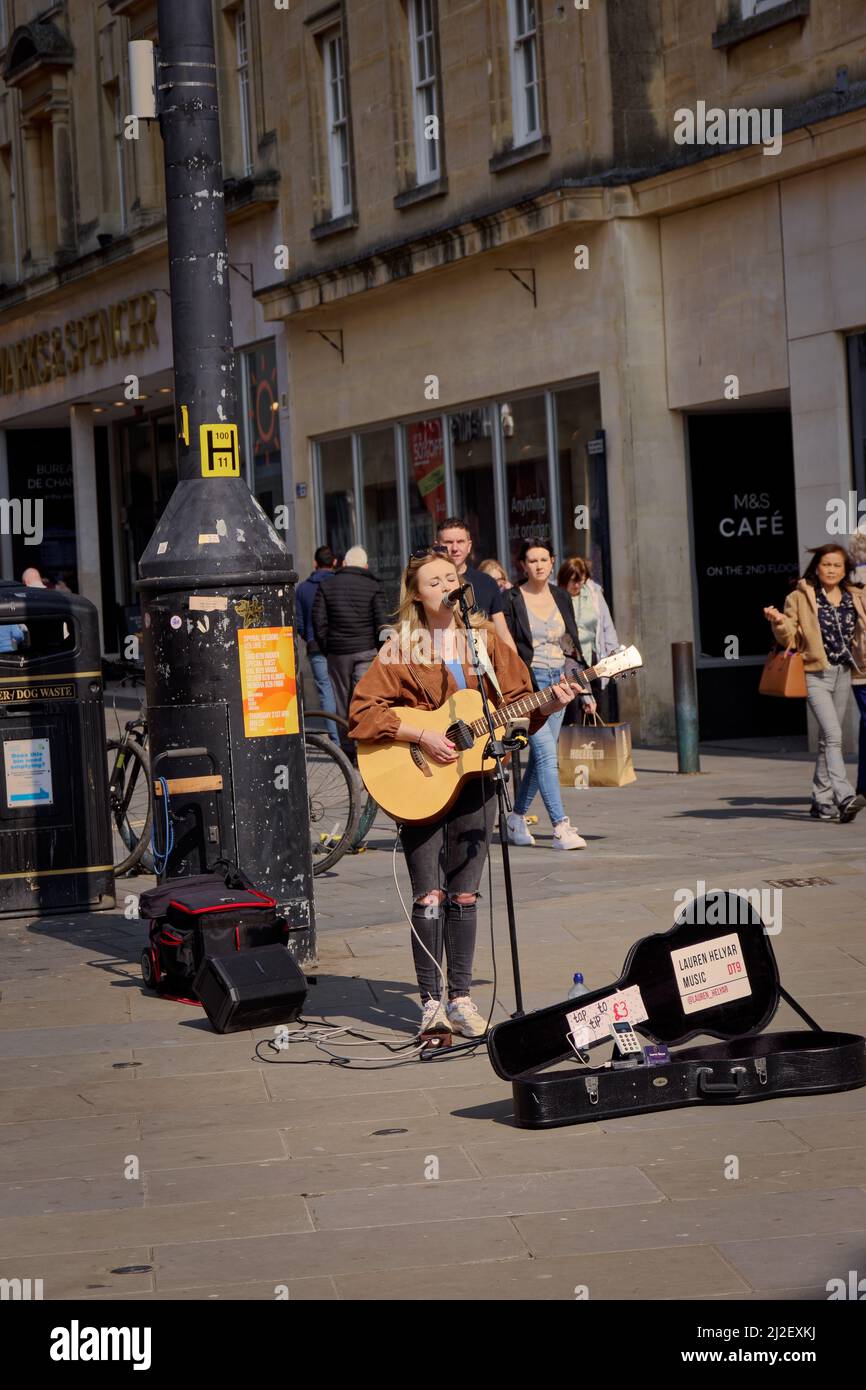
581,466
425,468
472,449
381,509
422,43
524,434
525,70
337,492
262,448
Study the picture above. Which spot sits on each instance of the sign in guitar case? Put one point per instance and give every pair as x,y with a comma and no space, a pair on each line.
713,974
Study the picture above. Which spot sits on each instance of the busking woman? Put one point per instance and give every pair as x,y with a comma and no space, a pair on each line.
425,661
825,619
541,619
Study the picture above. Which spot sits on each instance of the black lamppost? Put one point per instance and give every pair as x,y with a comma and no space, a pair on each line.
217,580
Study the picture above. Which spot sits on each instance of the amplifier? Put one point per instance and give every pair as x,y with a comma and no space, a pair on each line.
251,989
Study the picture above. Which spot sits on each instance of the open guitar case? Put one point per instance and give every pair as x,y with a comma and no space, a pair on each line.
661,993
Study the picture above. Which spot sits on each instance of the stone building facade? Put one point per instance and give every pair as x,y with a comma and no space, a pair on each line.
591,271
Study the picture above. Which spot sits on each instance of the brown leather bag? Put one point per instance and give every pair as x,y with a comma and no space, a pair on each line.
784,675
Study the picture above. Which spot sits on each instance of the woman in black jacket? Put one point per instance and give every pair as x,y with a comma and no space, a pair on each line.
541,620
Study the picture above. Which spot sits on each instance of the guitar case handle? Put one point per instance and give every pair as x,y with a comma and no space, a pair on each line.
720,1088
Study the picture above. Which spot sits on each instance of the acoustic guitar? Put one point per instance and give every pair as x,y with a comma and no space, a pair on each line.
414,789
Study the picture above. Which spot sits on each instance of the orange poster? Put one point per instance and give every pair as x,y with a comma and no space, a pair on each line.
268,683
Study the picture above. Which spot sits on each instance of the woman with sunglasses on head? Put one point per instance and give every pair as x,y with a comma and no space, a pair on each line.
542,624
825,619
426,660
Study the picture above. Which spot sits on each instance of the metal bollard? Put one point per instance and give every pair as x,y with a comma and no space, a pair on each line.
685,707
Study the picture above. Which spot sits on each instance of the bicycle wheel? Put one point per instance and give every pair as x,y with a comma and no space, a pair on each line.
370,806
334,795
129,802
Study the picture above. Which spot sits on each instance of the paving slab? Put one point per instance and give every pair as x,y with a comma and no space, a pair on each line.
337,1252
801,1260
743,1216
666,1273
197,1223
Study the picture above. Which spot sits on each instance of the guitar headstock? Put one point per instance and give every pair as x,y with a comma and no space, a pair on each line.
628,659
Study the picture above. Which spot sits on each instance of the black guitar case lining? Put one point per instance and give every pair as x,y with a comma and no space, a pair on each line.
714,973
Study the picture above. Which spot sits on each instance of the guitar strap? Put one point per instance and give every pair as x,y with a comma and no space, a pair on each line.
482,662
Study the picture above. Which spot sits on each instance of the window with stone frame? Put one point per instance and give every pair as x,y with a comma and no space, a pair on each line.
524,43
337,120
424,61
238,46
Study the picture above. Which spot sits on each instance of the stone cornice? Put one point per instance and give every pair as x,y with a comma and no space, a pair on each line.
433,250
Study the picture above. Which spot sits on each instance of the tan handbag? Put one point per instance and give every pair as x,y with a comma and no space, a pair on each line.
784,675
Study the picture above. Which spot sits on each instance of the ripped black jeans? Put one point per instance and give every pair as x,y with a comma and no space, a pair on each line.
449,856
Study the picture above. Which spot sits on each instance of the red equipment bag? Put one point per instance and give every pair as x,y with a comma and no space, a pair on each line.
204,915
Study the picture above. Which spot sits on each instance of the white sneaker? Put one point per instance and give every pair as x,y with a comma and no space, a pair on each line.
433,1018
518,831
566,837
464,1018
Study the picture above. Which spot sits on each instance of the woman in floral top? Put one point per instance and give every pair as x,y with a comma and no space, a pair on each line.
825,619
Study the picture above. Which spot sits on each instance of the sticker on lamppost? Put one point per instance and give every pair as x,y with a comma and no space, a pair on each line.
28,772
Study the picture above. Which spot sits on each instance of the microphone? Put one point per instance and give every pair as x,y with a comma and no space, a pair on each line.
452,600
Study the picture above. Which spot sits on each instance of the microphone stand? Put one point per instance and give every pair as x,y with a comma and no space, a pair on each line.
498,749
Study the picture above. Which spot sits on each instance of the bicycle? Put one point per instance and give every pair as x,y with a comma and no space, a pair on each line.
369,806
129,796
333,796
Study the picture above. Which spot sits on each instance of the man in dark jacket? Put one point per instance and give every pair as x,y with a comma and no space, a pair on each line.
305,595
348,614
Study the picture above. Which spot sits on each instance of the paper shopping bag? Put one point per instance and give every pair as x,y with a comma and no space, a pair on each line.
596,755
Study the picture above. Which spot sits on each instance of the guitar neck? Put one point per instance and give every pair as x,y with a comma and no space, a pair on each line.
522,708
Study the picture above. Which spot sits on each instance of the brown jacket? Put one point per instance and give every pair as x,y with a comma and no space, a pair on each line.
390,682
800,628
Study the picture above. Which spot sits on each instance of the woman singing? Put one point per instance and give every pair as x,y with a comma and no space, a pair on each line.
428,658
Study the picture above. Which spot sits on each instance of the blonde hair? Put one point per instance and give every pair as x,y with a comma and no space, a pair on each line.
410,618
494,569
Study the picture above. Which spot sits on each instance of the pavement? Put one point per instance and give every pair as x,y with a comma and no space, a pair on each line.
142,1156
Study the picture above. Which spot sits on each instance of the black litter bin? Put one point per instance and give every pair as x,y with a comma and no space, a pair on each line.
55,835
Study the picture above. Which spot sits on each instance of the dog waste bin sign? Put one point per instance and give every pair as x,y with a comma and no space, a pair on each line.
28,772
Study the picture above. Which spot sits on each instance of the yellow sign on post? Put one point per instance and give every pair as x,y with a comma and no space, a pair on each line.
268,681
219,451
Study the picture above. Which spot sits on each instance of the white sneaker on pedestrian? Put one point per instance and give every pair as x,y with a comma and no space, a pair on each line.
566,837
433,1019
464,1018
518,831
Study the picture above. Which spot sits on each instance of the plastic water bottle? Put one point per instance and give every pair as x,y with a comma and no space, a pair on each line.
578,988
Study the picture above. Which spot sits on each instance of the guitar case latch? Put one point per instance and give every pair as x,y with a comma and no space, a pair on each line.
761,1069
591,1084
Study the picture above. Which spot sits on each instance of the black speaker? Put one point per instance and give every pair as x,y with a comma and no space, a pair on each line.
250,989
